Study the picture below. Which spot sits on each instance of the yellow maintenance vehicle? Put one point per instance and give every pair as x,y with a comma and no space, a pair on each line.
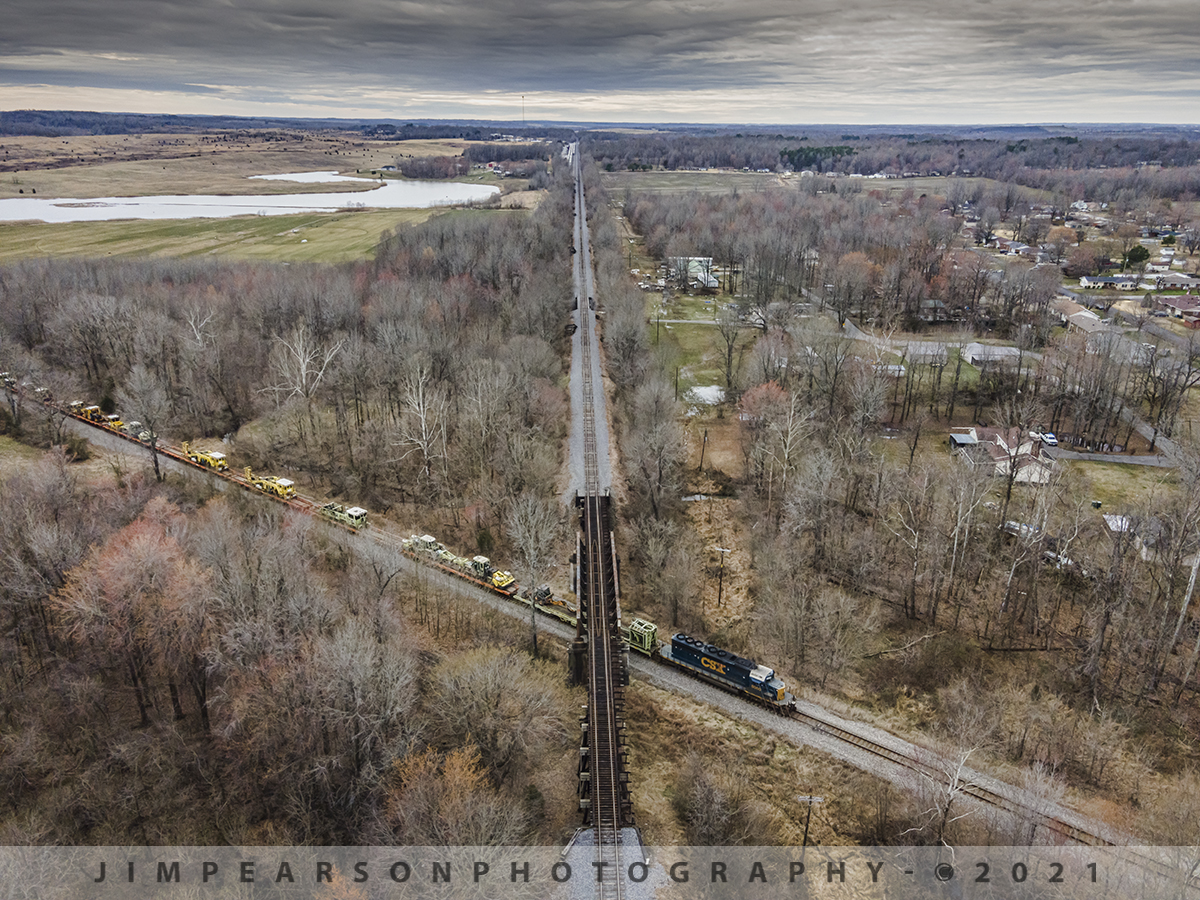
283,488
91,413
214,459
502,581
353,517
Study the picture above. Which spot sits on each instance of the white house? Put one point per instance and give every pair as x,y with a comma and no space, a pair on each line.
976,353
1118,282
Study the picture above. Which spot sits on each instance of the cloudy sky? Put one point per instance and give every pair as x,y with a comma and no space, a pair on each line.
769,61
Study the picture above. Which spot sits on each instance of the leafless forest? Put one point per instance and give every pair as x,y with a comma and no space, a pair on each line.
182,667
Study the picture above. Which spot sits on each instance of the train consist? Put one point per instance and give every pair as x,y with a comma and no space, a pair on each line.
480,571
702,660
711,663
353,518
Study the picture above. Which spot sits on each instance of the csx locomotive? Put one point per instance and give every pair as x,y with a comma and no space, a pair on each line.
710,663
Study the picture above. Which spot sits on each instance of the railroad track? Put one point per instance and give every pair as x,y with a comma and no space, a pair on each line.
615,803
926,770
609,809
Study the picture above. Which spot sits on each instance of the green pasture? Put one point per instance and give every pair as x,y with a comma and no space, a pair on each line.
720,182
693,350
1122,486
306,237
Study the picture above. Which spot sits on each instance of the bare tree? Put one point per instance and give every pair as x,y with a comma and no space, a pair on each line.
299,363
424,421
504,703
945,776
729,329
144,397
535,526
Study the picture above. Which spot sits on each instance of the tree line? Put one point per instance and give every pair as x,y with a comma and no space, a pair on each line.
1101,168
910,575
183,668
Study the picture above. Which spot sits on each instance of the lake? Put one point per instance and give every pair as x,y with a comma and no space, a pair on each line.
389,195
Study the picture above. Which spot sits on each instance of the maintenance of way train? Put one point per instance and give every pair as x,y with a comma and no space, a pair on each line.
704,661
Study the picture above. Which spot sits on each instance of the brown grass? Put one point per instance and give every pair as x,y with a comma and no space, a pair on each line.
306,237
665,728
145,165
15,456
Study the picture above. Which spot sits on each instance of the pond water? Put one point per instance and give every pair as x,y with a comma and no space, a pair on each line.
389,195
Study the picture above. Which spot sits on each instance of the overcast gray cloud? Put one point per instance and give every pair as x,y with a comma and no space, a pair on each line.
679,60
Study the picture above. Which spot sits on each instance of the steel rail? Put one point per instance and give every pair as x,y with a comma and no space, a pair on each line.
598,602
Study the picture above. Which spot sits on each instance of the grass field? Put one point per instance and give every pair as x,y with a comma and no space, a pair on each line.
146,165
15,456
681,182
719,181
695,352
308,237
1122,485
115,165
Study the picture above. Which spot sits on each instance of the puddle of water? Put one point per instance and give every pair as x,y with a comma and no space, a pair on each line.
390,195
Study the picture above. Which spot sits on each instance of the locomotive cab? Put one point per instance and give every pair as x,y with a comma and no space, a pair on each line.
765,683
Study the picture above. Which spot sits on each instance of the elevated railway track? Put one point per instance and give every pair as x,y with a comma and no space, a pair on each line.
604,790
609,803
603,780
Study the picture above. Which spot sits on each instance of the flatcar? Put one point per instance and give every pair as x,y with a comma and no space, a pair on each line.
710,663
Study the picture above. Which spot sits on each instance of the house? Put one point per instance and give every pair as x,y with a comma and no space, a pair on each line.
1171,282
1117,282
1005,450
697,270
976,353
1078,318
1155,538
1183,306
1087,322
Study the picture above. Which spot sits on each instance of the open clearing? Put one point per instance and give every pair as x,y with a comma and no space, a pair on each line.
722,181
664,182
207,163
1122,486
145,165
308,237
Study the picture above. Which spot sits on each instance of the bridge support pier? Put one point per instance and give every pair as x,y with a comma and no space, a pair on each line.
577,662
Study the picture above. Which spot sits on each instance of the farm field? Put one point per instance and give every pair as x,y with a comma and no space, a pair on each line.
308,237
144,165
152,164
722,181
713,181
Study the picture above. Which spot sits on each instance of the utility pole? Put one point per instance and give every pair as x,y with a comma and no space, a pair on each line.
721,574
810,801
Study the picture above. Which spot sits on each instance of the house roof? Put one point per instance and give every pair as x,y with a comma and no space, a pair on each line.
1087,321
1066,307
1184,303
963,437
1108,279
975,350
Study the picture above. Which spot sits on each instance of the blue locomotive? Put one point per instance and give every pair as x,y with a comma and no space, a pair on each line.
710,663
